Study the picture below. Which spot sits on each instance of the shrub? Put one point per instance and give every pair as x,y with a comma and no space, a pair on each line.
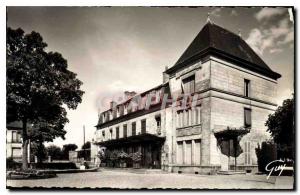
265,154
136,157
113,158
55,165
122,155
11,164
29,174
102,155
85,154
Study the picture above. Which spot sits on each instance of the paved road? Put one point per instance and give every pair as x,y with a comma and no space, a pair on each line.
125,179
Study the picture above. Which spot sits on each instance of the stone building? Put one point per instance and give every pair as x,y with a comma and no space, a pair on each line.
14,140
208,114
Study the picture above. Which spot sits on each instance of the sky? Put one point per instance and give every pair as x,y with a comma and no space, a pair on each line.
114,49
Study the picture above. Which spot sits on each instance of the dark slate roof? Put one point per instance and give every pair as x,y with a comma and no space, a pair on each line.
14,125
213,39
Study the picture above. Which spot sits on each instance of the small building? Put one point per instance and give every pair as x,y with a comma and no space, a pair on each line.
14,141
208,114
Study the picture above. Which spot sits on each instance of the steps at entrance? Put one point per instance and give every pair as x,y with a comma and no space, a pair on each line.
154,171
231,172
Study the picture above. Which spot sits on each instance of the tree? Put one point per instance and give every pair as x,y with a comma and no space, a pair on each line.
265,153
66,148
39,150
85,151
55,152
86,145
282,129
39,88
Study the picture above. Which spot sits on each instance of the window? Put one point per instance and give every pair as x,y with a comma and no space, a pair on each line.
158,124
103,134
178,119
133,128
109,115
184,118
124,130
246,87
189,85
114,113
121,110
188,152
197,115
117,133
16,152
188,117
110,133
157,96
16,137
247,117
125,109
118,111
247,153
197,154
135,149
106,116
143,126
129,107
179,152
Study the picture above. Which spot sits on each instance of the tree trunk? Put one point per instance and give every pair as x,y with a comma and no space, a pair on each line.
39,153
229,154
24,146
235,146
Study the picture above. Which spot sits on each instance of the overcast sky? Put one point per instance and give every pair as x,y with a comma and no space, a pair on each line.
127,48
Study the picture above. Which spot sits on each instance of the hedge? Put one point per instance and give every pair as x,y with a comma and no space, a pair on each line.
54,165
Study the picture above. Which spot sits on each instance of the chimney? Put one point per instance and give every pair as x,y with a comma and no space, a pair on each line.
129,94
112,105
165,75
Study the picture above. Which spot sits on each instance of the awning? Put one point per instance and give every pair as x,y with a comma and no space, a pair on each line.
228,140
231,133
146,137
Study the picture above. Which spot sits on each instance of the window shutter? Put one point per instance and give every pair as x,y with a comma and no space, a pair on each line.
192,116
133,128
117,132
193,85
197,116
125,131
247,113
247,153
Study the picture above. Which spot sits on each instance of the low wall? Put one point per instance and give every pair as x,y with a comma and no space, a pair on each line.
253,168
204,170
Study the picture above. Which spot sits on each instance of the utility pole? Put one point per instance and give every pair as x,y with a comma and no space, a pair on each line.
83,134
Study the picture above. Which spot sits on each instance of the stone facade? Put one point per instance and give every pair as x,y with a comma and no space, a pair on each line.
13,144
222,94
14,141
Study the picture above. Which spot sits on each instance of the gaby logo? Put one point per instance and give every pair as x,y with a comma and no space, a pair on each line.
275,166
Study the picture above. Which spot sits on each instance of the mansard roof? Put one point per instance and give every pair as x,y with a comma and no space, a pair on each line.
163,87
215,40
